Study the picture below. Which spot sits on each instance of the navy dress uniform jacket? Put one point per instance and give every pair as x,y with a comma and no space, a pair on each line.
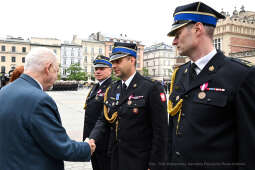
94,108
32,136
217,126
141,139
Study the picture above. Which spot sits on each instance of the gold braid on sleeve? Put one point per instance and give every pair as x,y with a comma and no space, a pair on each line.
174,110
85,105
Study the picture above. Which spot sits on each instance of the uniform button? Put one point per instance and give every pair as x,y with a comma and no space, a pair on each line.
183,114
208,99
186,96
178,153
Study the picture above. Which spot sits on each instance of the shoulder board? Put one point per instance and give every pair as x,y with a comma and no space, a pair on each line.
242,61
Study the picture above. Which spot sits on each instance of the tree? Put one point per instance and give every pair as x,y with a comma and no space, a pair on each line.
75,72
145,72
114,77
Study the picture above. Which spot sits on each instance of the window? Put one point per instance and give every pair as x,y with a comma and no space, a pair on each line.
24,49
92,51
85,50
72,53
55,51
64,52
219,44
85,59
13,59
110,48
72,61
23,59
100,51
79,62
64,62
153,72
3,48
13,49
2,58
85,69
92,59
79,52
2,69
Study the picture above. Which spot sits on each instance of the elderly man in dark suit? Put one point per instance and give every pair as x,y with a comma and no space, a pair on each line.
32,136
135,112
212,104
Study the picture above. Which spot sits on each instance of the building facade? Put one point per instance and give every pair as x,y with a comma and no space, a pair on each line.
91,48
70,54
236,33
160,60
13,52
51,43
109,42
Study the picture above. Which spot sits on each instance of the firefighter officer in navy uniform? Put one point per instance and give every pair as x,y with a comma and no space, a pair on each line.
136,112
94,107
211,103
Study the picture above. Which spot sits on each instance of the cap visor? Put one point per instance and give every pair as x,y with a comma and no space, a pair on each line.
117,56
175,28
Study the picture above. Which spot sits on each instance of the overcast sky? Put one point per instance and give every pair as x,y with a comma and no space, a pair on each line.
148,21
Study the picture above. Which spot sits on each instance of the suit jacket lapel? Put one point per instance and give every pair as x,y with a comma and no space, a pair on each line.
208,71
184,78
94,92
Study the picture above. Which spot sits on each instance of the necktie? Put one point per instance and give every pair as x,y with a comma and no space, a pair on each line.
124,89
192,72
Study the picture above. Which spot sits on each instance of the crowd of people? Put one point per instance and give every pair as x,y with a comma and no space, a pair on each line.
208,122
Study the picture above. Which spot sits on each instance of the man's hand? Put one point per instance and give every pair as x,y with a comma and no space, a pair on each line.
92,144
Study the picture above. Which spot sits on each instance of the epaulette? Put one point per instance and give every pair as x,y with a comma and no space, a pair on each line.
242,61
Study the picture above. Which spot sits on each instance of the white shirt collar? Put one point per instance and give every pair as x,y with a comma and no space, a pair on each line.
128,81
201,63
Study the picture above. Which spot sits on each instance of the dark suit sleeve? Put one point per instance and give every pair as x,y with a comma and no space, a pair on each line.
245,112
158,112
100,129
47,130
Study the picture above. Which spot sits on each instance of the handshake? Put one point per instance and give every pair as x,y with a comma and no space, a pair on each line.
92,144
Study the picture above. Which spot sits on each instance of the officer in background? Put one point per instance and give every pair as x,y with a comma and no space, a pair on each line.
94,107
136,110
212,104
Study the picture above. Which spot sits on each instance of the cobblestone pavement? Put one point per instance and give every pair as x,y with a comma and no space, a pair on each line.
70,105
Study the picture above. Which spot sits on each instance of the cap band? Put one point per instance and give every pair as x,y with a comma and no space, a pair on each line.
103,62
206,19
124,50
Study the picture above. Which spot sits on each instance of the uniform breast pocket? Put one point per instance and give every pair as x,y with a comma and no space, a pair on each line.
209,107
135,108
214,98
